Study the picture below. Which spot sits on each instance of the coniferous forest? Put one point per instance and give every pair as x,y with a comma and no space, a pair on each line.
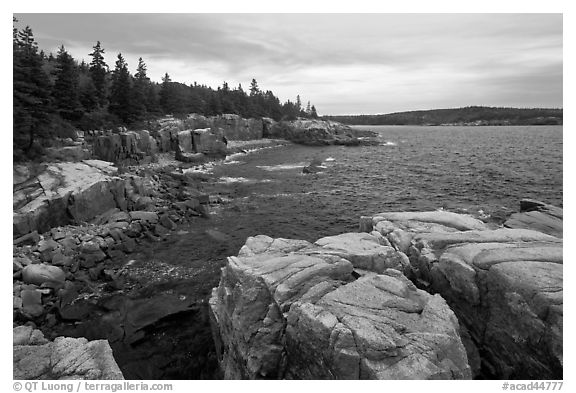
54,94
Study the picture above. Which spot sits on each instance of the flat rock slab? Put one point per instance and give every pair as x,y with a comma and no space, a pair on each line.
364,251
64,358
291,309
505,285
538,216
66,192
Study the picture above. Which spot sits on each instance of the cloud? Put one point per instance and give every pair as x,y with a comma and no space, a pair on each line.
343,63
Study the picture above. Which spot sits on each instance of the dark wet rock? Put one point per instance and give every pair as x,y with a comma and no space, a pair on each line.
144,217
287,309
91,253
57,234
314,167
32,303
59,259
30,238
505,285
167,222
538,216
64,358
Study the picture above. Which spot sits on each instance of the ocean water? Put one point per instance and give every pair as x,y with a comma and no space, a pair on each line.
468,169
483,171
480,170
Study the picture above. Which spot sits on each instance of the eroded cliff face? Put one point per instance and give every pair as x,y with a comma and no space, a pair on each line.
419,295
292,309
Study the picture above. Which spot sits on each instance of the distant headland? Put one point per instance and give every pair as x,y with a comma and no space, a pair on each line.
468,116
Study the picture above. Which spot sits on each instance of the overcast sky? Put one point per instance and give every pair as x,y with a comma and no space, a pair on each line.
342,63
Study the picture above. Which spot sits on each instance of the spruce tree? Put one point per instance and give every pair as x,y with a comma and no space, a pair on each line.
313,113
139,90
31,93
298,105
254,90
98,69
120,91
65,91
165,94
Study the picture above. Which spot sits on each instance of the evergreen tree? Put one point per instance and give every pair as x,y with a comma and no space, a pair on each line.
65,91
313,113
98,70
120,91
139,90
308,108
31,93
298,105
165,94
254,90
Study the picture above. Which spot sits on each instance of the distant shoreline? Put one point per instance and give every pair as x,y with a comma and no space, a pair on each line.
453,125
468,116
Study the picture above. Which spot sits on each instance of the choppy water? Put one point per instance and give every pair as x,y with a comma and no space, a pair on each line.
414,168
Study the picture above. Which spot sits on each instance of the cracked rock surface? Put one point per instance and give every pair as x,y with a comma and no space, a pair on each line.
505,285
291,309
34,357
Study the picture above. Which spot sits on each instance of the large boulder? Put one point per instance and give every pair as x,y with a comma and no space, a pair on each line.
208,142
538,216
505,285
290,309
64,193
41,273
64,358
185,141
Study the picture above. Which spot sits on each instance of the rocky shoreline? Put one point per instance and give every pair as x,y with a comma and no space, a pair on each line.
79,228
360,305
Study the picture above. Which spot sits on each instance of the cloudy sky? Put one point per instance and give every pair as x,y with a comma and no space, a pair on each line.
342,63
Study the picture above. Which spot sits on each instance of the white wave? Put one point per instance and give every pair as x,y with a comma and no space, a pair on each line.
389,143
282,167
330,159
227,180
233,162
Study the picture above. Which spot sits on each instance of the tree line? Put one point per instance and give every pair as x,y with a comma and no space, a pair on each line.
53,95
468,115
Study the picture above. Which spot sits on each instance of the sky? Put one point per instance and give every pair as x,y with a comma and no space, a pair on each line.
342,63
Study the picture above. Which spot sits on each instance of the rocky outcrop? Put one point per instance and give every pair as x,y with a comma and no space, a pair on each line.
505,285
62,193
132,146
34,357
236,128
292,309
223,127
538,216
317,132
